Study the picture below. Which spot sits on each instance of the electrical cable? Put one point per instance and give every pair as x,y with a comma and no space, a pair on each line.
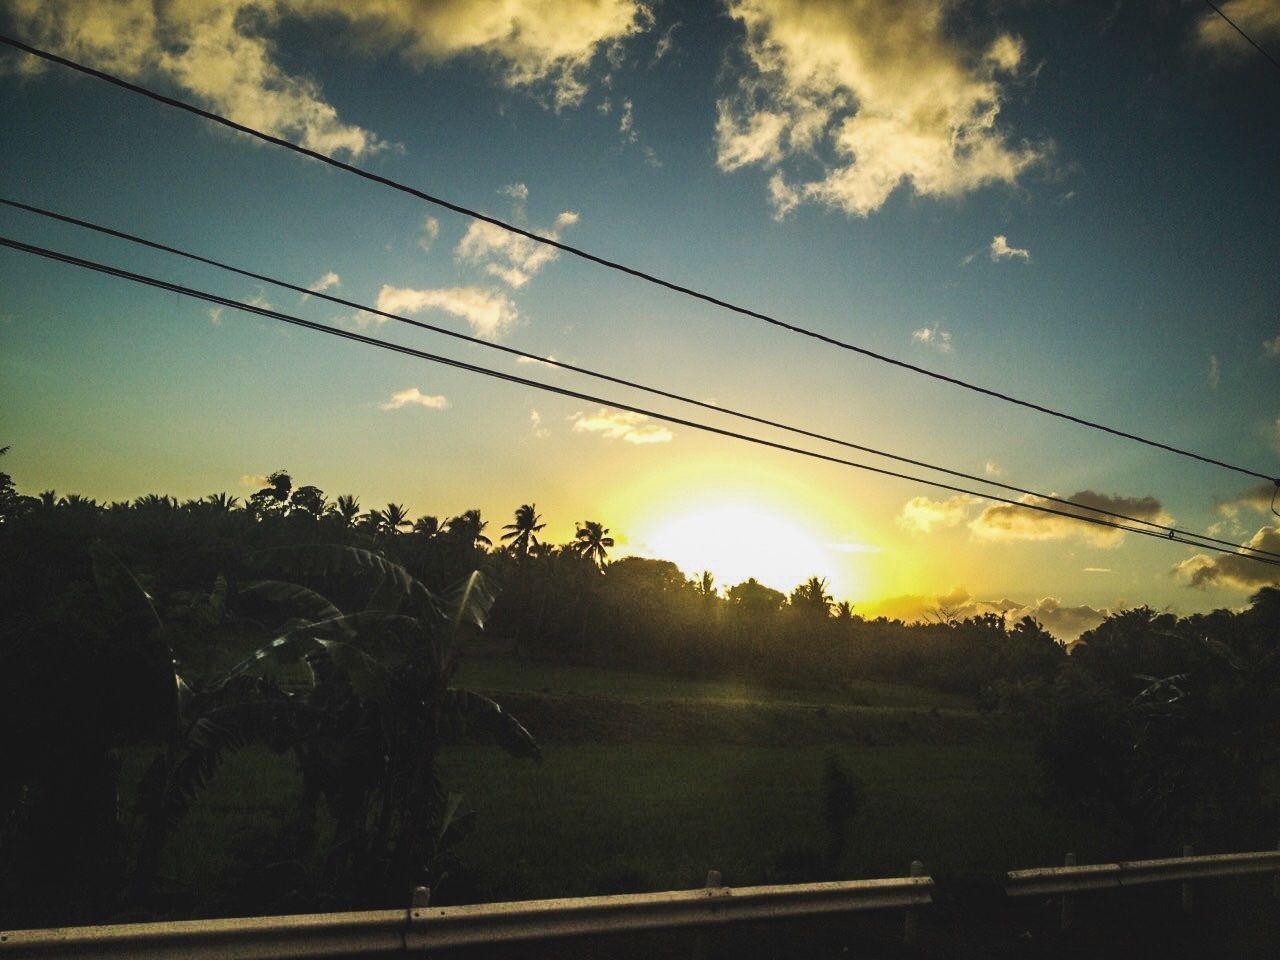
522,354
566,392
610,264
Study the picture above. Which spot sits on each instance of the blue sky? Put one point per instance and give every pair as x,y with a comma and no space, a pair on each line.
1073,202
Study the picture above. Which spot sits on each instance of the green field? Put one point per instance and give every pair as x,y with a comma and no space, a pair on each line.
649,782
499,674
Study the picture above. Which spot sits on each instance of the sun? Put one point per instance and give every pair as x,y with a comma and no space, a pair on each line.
736,542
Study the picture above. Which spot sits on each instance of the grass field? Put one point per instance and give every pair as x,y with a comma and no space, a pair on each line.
648,782
499,674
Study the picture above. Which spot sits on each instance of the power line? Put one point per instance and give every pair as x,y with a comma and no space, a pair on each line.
578,395
1216,9
612,264
550,361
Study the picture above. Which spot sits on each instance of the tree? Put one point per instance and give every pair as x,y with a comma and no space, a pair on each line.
346,509
308,500
393,518
274,497
426,526
811,599
468,529
592,542
523,532
706,584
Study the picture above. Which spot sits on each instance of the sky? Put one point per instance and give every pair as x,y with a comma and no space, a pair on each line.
1074,203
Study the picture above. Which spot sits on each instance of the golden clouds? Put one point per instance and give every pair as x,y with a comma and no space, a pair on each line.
880,87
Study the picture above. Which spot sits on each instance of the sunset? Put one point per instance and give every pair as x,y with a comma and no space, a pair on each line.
606,363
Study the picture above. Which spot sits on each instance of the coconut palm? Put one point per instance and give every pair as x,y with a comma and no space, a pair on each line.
469,529
523,532
592,541
812,597
222,502
346,509
394,517
427,526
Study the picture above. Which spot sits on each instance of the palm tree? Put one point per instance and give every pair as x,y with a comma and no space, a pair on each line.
428,526
844,611
346,509
523,532
812,597
469,528
706,584
393,518
592,540
222,502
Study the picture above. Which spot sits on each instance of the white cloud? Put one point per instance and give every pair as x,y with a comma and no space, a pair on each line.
429,232
1008,522
993,469
880,92
1215,373
922,515
1258,18
516,191
488,313
415,397
225,56
253,481
215,315
1000,250
1231,570
1098,570
1066,622
627,122
550,361
1258,497
510,257
535,421
328,281
621,424
666,42
934,337
1271,347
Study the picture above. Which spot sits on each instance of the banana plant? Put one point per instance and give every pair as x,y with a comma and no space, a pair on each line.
381,678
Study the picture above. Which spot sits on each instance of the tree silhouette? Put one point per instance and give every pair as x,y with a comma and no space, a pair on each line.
811,598
274,497
523,532
346,509
426,526
394,517
592,542
308,500
468,528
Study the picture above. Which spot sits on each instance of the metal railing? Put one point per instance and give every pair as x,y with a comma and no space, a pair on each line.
1065,881
423,928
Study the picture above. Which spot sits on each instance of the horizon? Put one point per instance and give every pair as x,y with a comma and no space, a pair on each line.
1104,244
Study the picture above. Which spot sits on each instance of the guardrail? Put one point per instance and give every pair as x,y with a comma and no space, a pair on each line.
423,928
1072,878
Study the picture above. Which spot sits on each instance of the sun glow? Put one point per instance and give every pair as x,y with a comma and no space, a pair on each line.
736,542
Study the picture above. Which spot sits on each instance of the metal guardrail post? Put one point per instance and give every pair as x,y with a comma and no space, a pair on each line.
1068,904
1187,851
911,926
714,882
1275,881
